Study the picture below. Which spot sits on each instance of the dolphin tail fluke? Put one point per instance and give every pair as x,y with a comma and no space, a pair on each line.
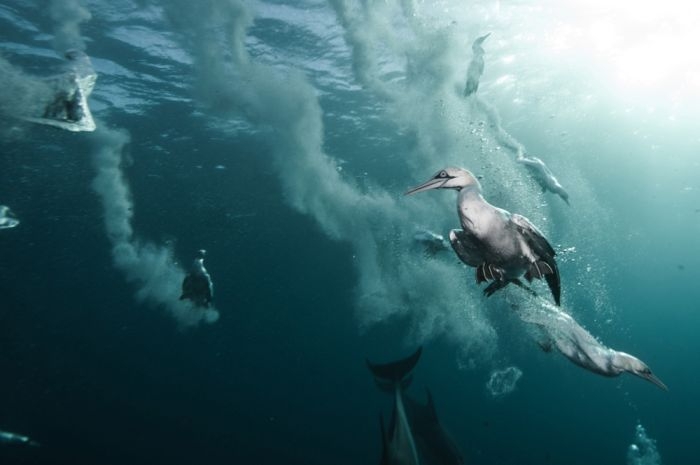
395,373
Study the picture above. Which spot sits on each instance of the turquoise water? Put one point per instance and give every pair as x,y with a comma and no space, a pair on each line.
280,137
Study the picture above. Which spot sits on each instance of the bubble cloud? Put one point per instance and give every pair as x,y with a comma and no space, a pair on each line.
502,382
150,267
67,16
643,450
391,282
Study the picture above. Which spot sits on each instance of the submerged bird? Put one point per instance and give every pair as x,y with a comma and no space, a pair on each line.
68,108
7,218
502,246
581,348
544,176
197,285
398,442
435,445
6,437
476,66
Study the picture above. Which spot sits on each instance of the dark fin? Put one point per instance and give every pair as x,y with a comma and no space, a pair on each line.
520,284
197,289
395,372
431,405
464,246
533,236
187,287
385,451
501,283
495,286
406,382
554,284
480,278
384,386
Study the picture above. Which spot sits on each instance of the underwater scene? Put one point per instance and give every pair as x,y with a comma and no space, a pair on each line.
330,232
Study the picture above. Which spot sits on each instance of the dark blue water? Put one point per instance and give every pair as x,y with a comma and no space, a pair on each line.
283,146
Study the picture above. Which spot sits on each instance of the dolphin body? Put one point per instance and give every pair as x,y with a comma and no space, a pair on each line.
435,445
398,442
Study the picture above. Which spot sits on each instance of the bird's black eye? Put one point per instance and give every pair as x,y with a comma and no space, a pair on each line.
443,174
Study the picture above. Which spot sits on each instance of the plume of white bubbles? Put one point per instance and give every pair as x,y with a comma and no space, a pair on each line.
23,95
391,281
502,382
67,16
642,451
414,57
150,267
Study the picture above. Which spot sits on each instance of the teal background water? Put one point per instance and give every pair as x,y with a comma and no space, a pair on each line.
218,160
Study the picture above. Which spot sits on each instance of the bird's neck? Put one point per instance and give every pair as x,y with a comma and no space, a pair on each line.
470,193
473,210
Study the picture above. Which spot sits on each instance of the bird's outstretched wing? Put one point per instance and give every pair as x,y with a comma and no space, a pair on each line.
465,248
545,266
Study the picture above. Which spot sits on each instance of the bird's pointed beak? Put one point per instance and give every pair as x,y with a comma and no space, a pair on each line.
653,379
432,183
481,39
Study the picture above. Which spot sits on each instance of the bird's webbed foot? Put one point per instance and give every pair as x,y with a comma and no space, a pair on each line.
488,272
494,286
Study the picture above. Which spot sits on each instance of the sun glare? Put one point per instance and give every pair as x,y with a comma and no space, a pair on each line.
643,44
